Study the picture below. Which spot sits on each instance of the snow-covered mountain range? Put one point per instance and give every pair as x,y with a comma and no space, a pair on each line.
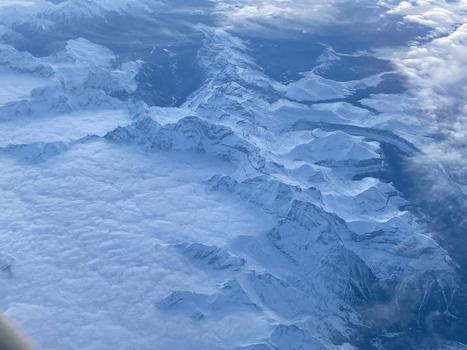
254,213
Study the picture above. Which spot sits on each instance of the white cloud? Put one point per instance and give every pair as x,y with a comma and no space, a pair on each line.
89,231
285,14
42,13
443,16
437,72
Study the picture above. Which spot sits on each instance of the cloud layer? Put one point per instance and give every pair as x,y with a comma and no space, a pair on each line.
437,72
272,16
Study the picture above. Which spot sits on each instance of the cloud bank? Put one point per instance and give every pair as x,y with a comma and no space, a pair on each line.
271,16
437,72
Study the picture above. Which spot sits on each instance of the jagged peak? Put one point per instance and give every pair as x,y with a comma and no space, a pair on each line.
312,217
270,194
231,296
35,152
191,134
211,257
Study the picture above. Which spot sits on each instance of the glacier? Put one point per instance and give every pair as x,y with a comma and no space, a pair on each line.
153,204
